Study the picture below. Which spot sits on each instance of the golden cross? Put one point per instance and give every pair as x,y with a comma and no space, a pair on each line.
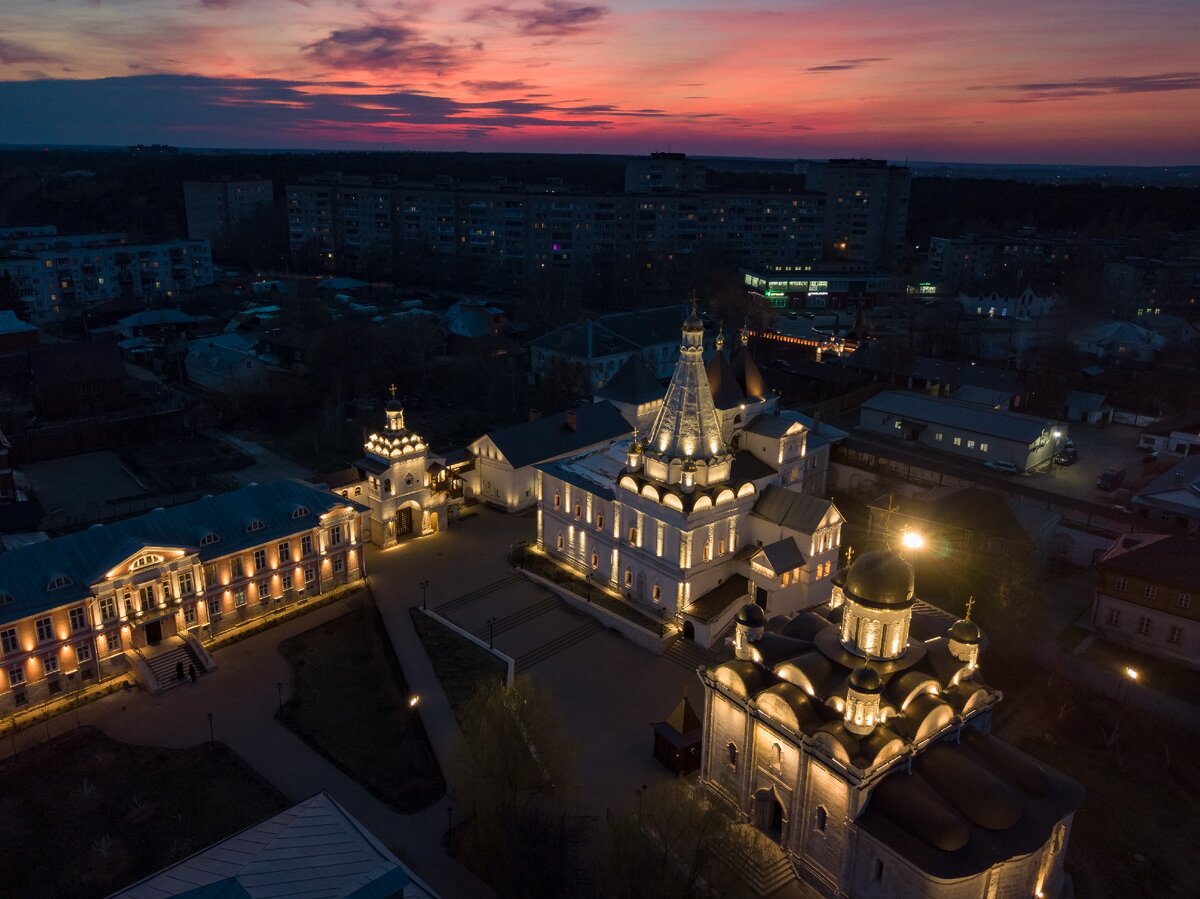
849,555
887,515
970,605
392,390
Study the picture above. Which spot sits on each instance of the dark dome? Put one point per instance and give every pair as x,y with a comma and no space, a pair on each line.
880,578
751,615
965,632
865,680
394,405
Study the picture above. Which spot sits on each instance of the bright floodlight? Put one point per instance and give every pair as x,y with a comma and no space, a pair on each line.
1131,673
912,540
1056,432
413,700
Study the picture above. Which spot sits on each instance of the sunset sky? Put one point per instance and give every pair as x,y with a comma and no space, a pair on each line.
1057,81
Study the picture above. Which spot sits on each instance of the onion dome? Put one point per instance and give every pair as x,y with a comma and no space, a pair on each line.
964,631
394,405
693,322
865,680
881,579
751,615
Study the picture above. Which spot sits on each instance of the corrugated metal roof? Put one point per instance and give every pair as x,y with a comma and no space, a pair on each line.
284,507
957,414
783,555
314,849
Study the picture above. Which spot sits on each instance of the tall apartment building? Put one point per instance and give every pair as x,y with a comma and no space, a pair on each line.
58,274
214,207
506,231
866,209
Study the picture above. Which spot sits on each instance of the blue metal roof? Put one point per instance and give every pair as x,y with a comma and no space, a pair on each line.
283,507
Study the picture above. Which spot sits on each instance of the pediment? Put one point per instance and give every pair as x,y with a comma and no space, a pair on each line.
131,558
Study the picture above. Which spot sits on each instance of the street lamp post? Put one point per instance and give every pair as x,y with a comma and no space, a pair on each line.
491,623
424,586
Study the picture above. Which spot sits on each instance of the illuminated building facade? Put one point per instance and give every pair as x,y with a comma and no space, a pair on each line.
864,750
88,606
711,507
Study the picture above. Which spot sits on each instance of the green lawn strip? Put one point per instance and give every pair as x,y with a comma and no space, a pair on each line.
350,702
542,566
458,663
85,815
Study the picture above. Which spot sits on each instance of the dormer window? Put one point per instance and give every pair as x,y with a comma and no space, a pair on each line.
209,539
59,582
300,512
255,525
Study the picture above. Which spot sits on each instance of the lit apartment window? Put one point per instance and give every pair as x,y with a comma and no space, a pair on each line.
1144,625
970,444
983,447
939,436
1175,635
958,441
1114,617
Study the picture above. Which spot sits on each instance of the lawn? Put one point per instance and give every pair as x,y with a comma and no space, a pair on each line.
459,664
350,702
85,815
1132,837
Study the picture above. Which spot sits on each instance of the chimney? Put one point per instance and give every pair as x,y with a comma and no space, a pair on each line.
535,414
572,421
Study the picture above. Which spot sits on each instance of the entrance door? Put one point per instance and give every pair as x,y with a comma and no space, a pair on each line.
154,633
768,815
404,521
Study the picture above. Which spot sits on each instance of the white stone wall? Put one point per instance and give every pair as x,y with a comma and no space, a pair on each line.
1129,628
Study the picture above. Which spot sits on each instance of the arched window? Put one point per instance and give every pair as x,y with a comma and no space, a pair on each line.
731,755
559,542
557,500
358,491
595,561
255,525
578,511
346,494
387,486
300,512
408,480
628,578
822,818
777,760
599,522
657,593
59,582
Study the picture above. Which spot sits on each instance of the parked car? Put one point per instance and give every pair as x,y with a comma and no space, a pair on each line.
1002,466
1067,456
1111,477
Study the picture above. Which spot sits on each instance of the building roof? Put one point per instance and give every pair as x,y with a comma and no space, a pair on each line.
722,382
749,378
921,407
1156,556
791,509
314,849
983,396
1183,421
1086,402
1176,490
717,600
969,806
633,384
342,477
610,335
782,555
471,318
283,507
683,719
550,436
157,317
10,324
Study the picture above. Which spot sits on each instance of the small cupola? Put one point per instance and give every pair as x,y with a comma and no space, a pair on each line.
862,700
749,626
687,481
636,454
879,595
965,639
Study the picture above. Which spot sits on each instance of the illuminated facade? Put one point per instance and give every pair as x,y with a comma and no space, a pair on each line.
121,597
711,507
865,752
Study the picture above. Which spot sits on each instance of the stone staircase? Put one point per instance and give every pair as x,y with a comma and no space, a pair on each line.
764,870
466,598
557,645
162,664
516,619
689,655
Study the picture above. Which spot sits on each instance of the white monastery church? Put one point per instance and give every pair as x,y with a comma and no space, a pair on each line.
715,505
